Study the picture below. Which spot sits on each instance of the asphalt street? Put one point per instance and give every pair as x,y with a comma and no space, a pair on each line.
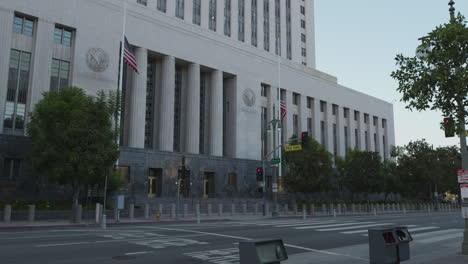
313,240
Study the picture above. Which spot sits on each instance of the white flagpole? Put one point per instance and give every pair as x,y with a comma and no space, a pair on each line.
280,118
122,47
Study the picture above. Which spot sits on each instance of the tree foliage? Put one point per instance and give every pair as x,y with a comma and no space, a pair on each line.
310,170
73,137
438,80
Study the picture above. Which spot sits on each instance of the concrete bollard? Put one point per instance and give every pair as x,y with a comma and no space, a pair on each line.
97,212
286,209
147,211
338,209
209,209
116,214
31,212
324,209
334,212
7,213
197,212
185,213
79,214
345,209
173,210
304,213
131,212
312,210
244,208
233,209
104,221
295,208
220,209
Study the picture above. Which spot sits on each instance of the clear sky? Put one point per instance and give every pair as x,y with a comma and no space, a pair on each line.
357,40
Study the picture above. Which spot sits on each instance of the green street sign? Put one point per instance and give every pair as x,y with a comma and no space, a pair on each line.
275,160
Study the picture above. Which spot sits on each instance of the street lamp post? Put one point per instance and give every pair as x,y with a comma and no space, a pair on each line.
276,126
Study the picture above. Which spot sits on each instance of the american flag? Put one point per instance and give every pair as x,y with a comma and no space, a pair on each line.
283,109
129,56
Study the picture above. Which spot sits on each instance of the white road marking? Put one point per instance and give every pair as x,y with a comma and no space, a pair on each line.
32,237
332,225
365,230
352,227
440,232
308,223
244,238
138,253
423,228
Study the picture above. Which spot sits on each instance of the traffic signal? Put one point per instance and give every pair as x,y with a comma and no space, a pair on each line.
304,138
259,174
449,127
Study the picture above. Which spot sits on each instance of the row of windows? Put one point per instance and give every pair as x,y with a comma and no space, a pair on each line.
212,20
25,25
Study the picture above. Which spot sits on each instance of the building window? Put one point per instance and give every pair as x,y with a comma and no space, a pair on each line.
59,74
384,123
309,125
177,108
345,112
63,36
142,2
296,98
23,25
202,113
375,120
149,116
366,118
322,132
212,14
303,10
180,9
266,25
241,20
303,23
278,27
303,52
11,168
309,102
366,136
346,139
155,181
356,138
254,23
264,119
196,12
296,125
17,91
161,5
264,90
303,37
227,18
288,30
322,106
356,115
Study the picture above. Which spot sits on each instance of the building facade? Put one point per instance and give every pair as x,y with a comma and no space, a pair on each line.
209,73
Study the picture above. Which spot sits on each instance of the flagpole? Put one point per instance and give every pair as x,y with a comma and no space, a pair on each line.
119,89
280,126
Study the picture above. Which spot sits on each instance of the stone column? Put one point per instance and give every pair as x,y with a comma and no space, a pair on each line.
216,113
166,120
6,25
137,111
316,120
192,138
340,127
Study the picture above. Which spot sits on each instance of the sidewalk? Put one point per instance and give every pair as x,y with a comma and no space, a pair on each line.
456,259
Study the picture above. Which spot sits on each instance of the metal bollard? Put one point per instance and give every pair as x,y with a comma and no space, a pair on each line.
220,209
132,212
233,209
304,213
197,212
7,213
104,222
31,212
334,212
146,211
98,212
173,210
79,214
375,212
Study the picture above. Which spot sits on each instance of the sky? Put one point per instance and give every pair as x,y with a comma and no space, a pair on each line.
357,42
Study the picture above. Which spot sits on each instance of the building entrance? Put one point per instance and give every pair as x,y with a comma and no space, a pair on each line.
154,182
209,185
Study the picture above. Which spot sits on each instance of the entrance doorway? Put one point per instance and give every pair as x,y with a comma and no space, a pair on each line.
154,182
209,185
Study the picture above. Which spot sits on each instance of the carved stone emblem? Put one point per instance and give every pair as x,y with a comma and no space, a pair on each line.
249,97
97,59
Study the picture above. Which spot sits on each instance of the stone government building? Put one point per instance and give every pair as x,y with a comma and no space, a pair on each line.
207,87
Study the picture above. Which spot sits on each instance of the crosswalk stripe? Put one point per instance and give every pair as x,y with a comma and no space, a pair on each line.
409,226
422,228
353,227
308,223
264,223
440,238
421,235
332,225
365,231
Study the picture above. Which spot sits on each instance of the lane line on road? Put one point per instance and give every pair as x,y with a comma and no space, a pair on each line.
365,230
352,227
244,238
138,253
333,225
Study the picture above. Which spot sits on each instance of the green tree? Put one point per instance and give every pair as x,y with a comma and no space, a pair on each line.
73,138
391,182
362,172
437,80
310,169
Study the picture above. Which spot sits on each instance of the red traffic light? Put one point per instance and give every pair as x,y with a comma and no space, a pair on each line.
304,134
446,121
259,169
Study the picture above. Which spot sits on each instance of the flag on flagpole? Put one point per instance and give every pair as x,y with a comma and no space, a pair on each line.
283,109
129,56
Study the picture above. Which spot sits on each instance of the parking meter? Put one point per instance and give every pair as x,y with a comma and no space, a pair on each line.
266,251
403,237
389,245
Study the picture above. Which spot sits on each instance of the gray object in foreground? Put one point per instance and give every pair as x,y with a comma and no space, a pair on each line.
389,245
264,251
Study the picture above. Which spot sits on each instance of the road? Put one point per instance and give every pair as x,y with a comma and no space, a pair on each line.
314,240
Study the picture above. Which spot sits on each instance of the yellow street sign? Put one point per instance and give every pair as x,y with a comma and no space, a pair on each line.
293,148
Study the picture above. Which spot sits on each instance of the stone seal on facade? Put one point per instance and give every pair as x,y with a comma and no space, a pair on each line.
97,59
249,97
